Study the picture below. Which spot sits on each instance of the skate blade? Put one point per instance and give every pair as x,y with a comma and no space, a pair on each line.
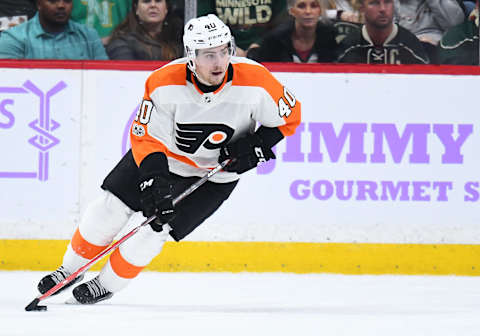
72,301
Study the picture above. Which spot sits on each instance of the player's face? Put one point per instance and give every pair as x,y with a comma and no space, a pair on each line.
212,63
152,11
378,13
55,12
306,12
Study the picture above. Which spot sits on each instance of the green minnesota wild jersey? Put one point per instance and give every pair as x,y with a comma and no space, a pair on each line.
101,15
401,47
459,45
249,20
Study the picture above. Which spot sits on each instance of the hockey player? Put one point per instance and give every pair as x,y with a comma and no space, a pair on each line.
196,111
380,41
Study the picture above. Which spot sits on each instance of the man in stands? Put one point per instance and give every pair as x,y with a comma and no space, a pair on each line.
50,34
380,41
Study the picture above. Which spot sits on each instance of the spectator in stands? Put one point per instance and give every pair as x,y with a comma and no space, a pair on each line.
429,19
344,15
380,41
249,21
178,8
14,12
459,45
50,34
303,39
150,32
469,6
101,15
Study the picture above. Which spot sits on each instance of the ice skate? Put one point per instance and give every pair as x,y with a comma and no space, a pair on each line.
52,279
91,292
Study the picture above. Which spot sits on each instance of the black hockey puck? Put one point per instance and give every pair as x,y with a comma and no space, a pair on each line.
41,308
33,306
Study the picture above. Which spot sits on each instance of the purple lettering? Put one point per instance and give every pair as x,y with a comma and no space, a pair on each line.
366,187
398,144
267,167
8,114
419,191
442,190
472,189
452,147
389,188
340,190
293,151
334,144
322,190
297,191
413,141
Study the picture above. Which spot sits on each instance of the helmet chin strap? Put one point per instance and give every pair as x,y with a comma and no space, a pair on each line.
193,68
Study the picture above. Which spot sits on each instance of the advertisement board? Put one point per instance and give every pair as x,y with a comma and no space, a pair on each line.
40,135
378,158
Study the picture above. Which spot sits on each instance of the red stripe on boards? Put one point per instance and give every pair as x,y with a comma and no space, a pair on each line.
274,67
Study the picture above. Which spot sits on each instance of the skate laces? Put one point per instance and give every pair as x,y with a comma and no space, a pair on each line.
60,274
95,288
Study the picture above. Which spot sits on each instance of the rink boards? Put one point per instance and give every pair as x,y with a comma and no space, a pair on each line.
293,257
381,176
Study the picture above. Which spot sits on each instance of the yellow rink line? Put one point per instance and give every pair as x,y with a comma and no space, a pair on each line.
343,258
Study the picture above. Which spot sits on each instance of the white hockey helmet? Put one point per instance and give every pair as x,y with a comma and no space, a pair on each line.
205,32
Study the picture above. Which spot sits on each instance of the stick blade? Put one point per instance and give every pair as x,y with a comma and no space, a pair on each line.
33,306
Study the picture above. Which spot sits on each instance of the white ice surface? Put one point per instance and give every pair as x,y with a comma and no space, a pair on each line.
250,304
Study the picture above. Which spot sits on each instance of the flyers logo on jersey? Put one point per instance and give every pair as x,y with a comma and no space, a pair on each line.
189,137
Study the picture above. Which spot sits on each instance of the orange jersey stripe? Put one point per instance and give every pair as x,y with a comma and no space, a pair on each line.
256,75
151,132
174,74
293,121
123,268
83,248
147,145
143,146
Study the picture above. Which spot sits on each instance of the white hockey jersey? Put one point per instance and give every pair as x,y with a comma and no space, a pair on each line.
190,126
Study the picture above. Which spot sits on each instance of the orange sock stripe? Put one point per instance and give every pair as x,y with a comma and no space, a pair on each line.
83,248
123,268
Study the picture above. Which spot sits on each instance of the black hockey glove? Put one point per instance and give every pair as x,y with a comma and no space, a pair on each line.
245,153
156,199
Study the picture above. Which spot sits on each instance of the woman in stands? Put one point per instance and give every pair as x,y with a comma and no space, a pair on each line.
150,32
345,17
303,39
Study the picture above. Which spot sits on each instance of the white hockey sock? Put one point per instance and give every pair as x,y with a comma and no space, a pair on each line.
72,261
131,257
101,222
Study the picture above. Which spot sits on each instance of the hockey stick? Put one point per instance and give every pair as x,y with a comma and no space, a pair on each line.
33,306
